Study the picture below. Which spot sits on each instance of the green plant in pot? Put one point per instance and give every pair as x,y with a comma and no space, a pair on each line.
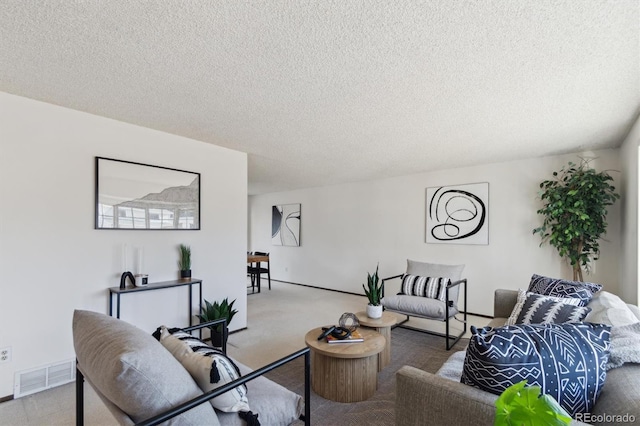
215,311
574,211
373,291
521,405
185,261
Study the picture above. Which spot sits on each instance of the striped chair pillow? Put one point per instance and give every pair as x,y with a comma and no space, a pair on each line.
431,287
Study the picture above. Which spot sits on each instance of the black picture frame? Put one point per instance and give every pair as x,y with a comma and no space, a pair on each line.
137,196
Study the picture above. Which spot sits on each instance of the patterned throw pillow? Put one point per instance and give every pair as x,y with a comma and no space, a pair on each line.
431,287
209,367
563,288
567,361
533,308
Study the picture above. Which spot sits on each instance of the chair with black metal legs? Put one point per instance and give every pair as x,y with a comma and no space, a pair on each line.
250,273
258,269
430,291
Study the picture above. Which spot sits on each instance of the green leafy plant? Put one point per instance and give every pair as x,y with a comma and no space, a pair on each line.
374,290
574,211
215,310
185,258
521,405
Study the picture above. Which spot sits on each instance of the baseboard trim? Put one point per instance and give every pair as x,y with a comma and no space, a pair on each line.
360,294
320,288
6,398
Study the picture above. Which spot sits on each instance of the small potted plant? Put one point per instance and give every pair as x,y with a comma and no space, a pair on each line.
215,311
374,294
185,261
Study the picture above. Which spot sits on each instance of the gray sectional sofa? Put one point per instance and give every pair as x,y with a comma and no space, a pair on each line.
423,398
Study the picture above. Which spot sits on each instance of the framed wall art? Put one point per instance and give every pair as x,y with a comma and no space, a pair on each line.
141,196
285,225
458,214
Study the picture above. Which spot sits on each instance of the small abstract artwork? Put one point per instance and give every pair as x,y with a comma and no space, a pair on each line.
285,225
458,214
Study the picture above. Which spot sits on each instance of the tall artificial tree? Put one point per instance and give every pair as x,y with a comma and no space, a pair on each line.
574,211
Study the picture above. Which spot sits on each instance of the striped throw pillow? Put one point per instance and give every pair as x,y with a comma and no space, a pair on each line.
431,287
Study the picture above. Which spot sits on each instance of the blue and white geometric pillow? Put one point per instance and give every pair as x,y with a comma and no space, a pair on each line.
563,288
538,309
568,361
522,299
431,287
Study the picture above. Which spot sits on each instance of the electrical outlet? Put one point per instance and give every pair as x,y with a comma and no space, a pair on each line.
5,354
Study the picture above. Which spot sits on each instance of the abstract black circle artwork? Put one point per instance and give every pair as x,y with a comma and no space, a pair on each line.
458,214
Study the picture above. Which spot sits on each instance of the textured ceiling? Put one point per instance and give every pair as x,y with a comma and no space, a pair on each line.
325,92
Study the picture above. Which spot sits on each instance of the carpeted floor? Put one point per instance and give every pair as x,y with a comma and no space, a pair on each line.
408,347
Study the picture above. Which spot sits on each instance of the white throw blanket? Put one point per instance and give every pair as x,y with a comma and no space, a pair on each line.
625,345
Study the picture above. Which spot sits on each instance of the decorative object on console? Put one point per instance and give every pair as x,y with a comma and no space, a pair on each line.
141,196
563,288
520,404
458,214
568,361
185,261
214,311
575,203
373,291
123,279
285,225
141,280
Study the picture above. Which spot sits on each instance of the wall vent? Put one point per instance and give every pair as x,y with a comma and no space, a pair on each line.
42,378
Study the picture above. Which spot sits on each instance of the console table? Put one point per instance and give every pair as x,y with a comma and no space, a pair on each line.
156,286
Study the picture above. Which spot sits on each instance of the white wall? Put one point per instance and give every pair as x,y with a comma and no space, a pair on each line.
629,152
347,229
53,261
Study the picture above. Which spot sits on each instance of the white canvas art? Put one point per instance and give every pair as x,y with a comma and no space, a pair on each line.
458,214
285,225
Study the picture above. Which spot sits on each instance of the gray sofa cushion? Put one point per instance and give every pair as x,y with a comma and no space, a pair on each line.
274,404
620,394
607,308
133,370
418,306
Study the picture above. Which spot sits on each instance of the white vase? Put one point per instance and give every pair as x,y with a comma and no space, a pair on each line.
374,311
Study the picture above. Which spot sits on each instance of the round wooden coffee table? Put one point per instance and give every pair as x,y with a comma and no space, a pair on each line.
383,326
345,372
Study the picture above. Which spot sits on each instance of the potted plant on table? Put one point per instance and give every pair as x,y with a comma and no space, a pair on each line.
185,261
373,291
574,211
215,311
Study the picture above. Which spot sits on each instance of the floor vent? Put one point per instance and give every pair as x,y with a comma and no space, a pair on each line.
42,378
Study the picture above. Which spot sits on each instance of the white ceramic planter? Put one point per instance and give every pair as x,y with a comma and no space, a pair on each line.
374,311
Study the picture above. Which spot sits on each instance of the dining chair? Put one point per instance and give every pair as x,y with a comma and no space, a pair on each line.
250,273
259,269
